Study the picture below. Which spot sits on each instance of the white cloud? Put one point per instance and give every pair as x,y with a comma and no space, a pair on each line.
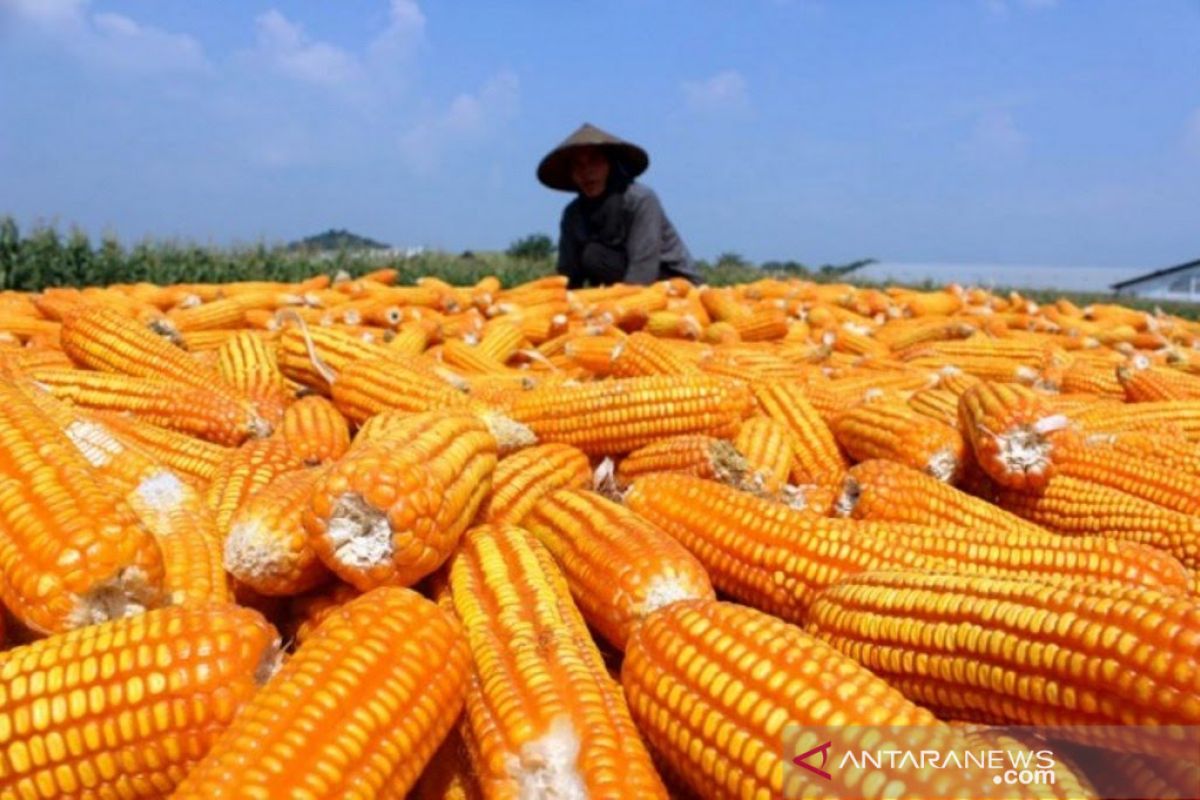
465,119
404,32
108,39
725,91
996,137
290,51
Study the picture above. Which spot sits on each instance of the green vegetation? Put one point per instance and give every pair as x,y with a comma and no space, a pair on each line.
44,257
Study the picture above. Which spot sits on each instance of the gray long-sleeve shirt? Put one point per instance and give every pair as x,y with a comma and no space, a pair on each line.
652,245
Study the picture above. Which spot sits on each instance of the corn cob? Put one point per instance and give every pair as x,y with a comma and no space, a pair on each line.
246,472
367,387
307,611
831,398
189,457
544,716
1008,427
1136,775
818,459
309,354
392,510
1073,506
398,425
1151,447
470,360
756,551
267,548
955,380
1092,378
126,707
1157,384
936,404
225,313
718,719
1180,418
673,325
163,505
159,401
593,353
247,363
692,454
766,445
1080,655
358,710
523,478
899,334
1105,465
412,339
720,333
315,431
502,340
640,354
619,567
618,416
69,557
897,433
102,338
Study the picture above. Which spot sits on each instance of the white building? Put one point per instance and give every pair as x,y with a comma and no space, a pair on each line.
1173,283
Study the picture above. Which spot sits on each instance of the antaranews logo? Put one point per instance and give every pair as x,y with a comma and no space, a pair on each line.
802,760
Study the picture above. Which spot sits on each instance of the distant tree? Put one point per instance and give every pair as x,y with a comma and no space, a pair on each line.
334,240
534,247
846,269
790,267
732,259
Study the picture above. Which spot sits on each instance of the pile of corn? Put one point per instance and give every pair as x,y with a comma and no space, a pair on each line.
351,539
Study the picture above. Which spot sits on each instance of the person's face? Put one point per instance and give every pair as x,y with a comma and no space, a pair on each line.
589,170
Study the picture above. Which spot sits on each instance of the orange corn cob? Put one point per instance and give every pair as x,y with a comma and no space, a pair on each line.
400,425
758,552
620,568
412,339
899,334
367,387
593,353
896,432
315,431
1008,427
1180,418
469,359
618,416
717,718
246,472
102,338
305,352
1152,447
226,313
956,381
766,445
69,556
693,454
267,547
1137,775
502,340
360,708
720,333
523,478
884,491
542,710
1074,506
673,325
921,633
21,360
248,363
196,459
159,401
1093,378
392,510
166,507
936,404
1097,463
817,457
764,324
125,708
640,354
1158,383
309,610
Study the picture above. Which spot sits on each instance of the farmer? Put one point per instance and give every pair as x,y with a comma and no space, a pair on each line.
615,230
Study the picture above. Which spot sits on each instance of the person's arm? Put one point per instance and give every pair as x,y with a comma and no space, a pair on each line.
568,254
645,241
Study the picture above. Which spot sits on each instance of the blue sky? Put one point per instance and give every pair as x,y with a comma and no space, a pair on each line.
1059,132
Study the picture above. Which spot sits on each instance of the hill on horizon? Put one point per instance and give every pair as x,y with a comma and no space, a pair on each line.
334,239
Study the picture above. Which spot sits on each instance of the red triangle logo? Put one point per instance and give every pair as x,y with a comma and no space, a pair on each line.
823,749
